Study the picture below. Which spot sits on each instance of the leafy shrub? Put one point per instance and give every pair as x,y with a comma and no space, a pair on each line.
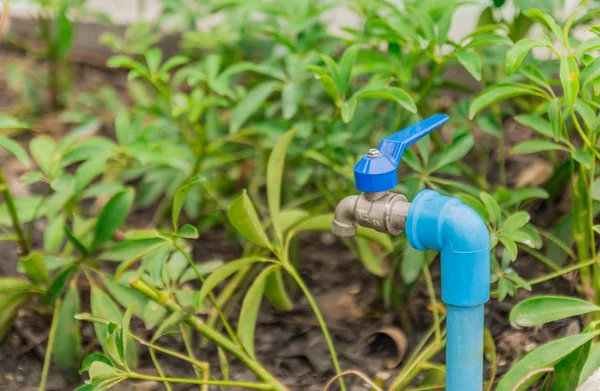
280,106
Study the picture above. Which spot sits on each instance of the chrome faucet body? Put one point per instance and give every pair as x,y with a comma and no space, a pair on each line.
382,211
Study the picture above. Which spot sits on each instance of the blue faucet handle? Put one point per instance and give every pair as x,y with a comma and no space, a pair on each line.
376,171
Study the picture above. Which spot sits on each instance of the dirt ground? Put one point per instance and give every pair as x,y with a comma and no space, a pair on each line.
289,344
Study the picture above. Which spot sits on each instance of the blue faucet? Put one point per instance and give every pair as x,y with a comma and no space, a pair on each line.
432,222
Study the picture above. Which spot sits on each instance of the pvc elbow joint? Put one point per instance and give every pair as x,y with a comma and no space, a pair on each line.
443,223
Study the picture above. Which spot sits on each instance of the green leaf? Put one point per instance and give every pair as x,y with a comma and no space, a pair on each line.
58,283
515,221
14,148
371,259
585,46
100,372
172,320
489,346
126,296
188,231
291,96
35,267
547,21
510,246
543,309
534,146
567,371
67,346
275,168
276,292
9,309
74,241
587,113
489,124
395,94
54,234
475,204
9,123
249,310
10,285
180,196
153,59
221,274
499,93
133,248
93,357
346,64
569,78
584,158
453,152
288,218
412,264
328,84
536,123
250,104
64,32
203,268
534,74
334,71
42,149
541,357
424,21
88,171
244,218
516,54
591,72
591,365
131,251
471,61
112,217
103,307
556,120
125,330
348,109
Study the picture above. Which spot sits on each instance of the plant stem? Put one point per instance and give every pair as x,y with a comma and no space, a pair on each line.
562,272
173,353
541,257
222,383
12,211
311,300
50,347
434,303
3,17
221,340
210,295
159,369
412,369
582,134
201,373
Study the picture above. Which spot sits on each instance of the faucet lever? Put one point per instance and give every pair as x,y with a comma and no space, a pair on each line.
376,172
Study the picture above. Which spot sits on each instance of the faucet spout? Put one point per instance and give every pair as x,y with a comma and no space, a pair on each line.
344,220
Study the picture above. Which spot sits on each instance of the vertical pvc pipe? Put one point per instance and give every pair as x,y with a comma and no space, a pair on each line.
464,348
446,224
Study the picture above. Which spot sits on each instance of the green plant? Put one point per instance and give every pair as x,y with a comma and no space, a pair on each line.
566,123
56,31
563,364
220,116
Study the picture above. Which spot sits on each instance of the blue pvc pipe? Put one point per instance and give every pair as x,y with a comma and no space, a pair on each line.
444,223
464,348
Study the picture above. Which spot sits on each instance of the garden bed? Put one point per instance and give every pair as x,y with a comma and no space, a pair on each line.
346,292
171,205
